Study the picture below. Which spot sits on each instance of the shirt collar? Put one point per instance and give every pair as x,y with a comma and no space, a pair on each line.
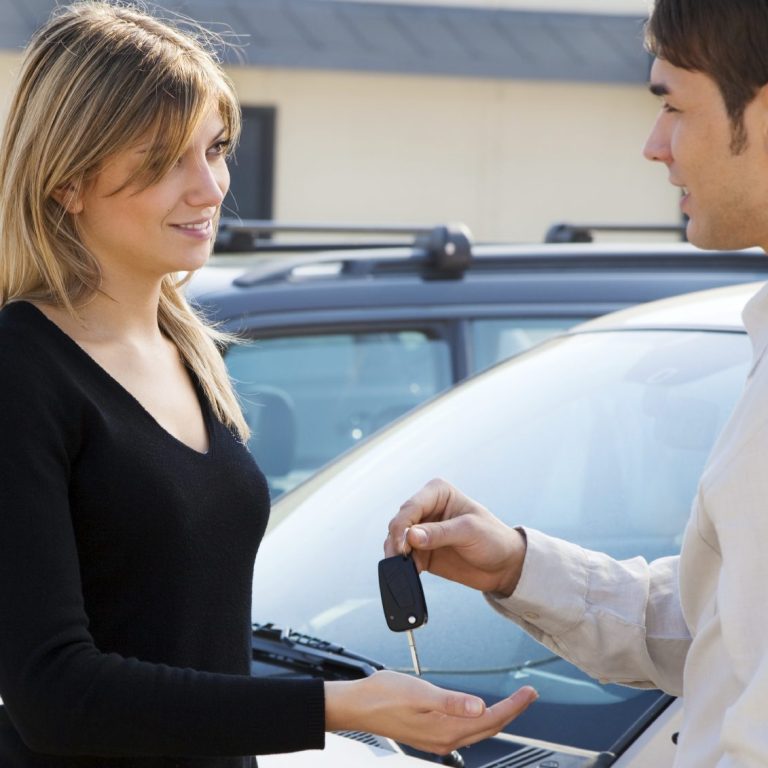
755,318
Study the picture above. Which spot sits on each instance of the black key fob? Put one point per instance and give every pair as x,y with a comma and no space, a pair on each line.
402,596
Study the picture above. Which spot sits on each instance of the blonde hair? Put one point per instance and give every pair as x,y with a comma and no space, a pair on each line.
96,78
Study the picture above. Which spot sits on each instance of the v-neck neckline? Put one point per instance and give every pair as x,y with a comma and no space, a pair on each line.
131,398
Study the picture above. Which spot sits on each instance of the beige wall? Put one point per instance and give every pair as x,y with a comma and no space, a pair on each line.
507,158
568,6
8,67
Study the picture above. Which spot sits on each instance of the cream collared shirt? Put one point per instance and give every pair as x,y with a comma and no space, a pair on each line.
695,625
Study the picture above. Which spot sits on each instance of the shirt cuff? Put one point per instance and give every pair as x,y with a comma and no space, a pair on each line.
552,590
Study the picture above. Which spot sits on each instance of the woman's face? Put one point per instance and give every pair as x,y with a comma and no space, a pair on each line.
166,227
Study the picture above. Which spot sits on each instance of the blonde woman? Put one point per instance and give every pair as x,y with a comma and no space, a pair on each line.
130,509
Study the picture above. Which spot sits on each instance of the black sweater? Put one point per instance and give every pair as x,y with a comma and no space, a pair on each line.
126,560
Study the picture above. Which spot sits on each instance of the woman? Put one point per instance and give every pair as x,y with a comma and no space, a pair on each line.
130,509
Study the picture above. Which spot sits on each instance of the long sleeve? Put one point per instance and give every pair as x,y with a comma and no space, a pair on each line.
619,621
109,595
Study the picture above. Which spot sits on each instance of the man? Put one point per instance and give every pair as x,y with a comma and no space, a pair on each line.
694,625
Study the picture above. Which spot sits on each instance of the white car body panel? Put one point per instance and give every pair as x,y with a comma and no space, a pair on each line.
655,747
342,752
718,308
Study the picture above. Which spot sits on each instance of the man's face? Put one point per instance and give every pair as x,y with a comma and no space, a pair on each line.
725,193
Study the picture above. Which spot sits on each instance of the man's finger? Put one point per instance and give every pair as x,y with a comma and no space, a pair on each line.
447,533
428,500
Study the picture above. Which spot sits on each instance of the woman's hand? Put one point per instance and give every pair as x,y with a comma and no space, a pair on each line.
415,712
455,537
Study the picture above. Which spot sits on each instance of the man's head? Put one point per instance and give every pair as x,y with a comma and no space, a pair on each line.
725,39
711,71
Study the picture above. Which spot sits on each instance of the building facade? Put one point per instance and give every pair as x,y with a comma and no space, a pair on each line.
502,116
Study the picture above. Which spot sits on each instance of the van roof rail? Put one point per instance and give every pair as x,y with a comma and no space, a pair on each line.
562,232
445,249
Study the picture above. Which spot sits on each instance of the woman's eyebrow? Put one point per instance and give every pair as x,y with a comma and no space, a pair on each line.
142,149
659,89
221,133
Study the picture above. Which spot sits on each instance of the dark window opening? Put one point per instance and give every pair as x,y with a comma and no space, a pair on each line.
252,167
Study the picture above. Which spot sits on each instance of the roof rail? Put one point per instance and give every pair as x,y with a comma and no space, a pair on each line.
446,249
582,233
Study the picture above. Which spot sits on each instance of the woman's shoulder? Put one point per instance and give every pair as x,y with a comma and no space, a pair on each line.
20,316
29,342
39,384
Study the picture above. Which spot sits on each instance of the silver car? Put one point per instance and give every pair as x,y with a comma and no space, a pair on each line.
597,436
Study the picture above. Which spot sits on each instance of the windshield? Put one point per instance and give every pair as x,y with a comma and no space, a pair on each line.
597,437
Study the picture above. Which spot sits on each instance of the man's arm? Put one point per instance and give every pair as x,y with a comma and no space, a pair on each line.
620,621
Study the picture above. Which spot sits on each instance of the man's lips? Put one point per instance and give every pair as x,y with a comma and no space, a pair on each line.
684,193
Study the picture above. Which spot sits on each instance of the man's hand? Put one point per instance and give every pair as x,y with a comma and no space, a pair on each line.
455,537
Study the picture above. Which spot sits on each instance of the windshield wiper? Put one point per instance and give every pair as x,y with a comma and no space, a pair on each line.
303,653
529,664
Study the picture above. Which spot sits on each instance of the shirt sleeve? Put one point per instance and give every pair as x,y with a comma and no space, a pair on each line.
64,695
619,621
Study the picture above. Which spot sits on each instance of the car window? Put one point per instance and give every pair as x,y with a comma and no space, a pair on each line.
599,438
308,398
499,338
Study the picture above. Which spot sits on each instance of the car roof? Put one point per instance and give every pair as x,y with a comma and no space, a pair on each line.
250,269
600,276
713,309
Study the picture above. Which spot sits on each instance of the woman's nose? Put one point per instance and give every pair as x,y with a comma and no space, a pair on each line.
209,184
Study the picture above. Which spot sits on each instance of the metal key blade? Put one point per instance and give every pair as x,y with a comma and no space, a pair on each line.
414,654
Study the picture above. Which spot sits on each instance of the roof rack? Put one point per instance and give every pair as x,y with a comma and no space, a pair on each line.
582,233
446,250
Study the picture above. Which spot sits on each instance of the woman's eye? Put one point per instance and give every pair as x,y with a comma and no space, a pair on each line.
669,108
220,147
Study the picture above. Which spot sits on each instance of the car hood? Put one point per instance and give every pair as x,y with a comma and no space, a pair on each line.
716,308
343,752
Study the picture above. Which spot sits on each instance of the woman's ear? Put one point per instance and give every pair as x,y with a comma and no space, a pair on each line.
68,197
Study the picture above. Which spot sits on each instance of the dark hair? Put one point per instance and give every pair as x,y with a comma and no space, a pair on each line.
725,39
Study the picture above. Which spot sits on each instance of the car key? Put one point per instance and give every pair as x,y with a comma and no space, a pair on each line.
402,598
405,609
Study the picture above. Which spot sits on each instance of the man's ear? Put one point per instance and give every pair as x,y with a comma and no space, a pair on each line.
761,101
68,196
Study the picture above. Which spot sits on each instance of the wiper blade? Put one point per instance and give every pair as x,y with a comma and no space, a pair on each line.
305,653
529,664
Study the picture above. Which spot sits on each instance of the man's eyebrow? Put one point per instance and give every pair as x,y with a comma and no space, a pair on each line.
659,89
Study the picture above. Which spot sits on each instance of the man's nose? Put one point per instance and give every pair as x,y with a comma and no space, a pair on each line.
657,144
